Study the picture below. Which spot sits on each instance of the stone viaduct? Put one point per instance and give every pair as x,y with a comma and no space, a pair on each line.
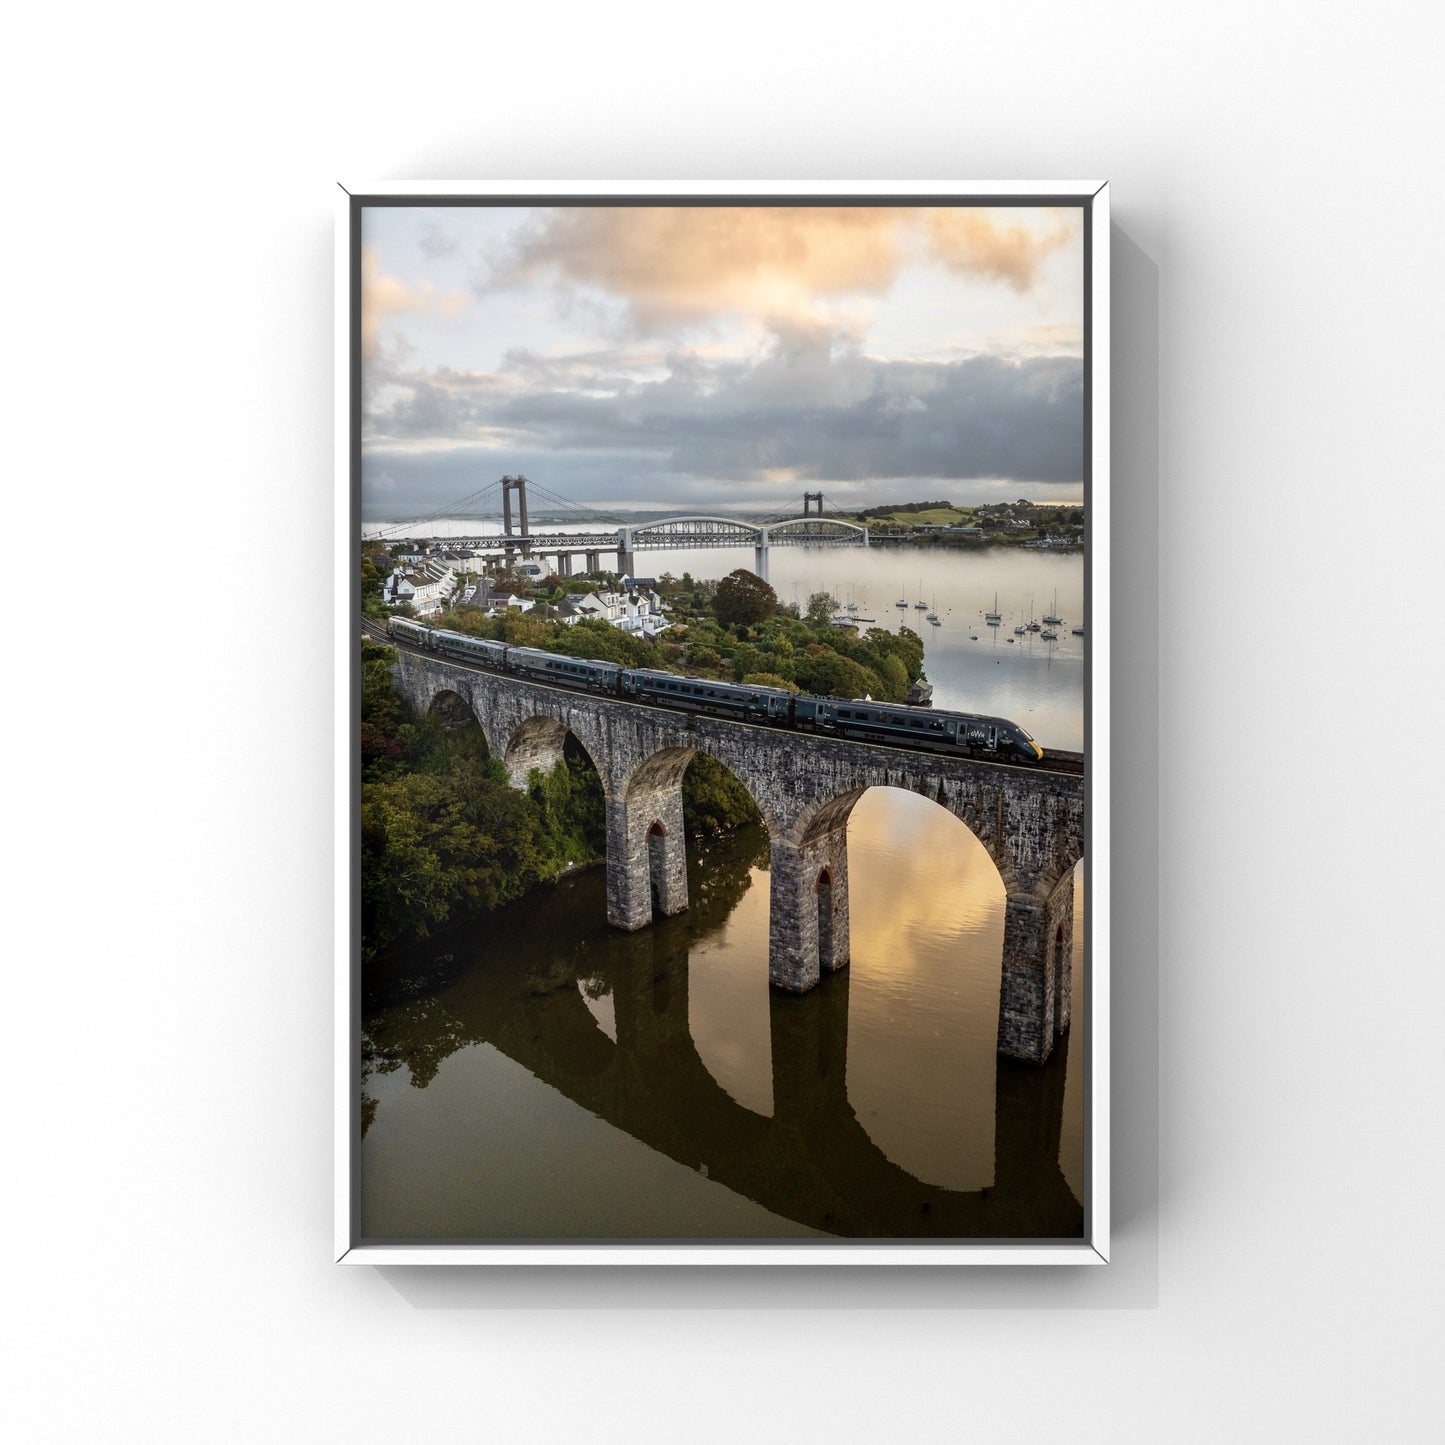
1030,822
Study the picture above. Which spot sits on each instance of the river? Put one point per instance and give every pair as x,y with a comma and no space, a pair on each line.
539,1075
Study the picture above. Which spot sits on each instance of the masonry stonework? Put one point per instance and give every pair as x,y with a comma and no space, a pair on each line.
805,786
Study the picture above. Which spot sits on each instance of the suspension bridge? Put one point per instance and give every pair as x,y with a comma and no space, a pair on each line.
591,533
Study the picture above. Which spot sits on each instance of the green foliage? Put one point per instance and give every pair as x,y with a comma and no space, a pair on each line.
743,598
599,640
893,673
822,671
375,569
768,679
442,833
713,800
820,608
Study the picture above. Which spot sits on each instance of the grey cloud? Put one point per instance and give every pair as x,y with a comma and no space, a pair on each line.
981,417
587,428
437,242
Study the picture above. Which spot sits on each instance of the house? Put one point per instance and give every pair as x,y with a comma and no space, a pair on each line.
632,611
425,587
501,601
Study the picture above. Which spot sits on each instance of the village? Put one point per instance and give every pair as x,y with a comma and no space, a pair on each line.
428,582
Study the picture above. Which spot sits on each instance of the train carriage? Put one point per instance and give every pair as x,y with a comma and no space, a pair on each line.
417,633
570,671
470,649
701,694
918,727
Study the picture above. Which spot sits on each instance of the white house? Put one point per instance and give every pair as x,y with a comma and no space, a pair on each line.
502,600
633,611
425,587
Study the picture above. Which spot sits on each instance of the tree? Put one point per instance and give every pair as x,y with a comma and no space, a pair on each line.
829,675
713,800
820,608
743,598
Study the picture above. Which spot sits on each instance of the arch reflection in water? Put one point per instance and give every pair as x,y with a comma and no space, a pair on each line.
551,1144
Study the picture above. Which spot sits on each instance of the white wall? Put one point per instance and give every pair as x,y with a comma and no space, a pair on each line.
168,249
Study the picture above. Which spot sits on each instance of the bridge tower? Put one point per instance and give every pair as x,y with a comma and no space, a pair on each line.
516,484
808,499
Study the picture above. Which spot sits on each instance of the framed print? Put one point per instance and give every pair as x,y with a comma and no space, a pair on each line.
722,715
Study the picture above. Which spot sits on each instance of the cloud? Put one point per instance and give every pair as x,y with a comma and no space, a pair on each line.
707,427
992,245
437,242
383,295
673,267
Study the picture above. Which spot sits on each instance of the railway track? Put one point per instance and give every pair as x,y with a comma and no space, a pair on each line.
1054,761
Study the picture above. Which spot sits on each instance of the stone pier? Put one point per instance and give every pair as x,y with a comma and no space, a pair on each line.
808,909
646,850
1038,943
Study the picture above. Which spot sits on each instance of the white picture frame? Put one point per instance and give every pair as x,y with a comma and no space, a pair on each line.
1093,1248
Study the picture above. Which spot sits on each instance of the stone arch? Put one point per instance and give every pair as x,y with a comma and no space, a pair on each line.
435,695
1066,858
823,888
657,773
657,863
823,816
456,712
742,768
535,742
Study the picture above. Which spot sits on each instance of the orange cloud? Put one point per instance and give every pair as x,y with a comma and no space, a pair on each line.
678,264
385,295
1007,246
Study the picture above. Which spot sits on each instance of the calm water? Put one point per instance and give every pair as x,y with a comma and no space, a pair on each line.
540,1075
1036,683
545,1076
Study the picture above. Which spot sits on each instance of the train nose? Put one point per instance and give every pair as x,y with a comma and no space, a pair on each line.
1037,749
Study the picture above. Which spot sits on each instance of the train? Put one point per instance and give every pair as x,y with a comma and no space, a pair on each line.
935,729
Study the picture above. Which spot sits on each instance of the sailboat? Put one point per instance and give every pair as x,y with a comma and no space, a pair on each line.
933,614
995,617
1053,619
921,606
1033,626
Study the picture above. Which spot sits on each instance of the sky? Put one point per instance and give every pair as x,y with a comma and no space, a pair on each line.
721,358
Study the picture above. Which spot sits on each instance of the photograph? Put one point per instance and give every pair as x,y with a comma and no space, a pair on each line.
720,607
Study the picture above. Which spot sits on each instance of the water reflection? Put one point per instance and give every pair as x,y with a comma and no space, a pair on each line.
559,1079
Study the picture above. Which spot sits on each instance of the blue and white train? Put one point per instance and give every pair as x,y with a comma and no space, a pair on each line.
918,727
